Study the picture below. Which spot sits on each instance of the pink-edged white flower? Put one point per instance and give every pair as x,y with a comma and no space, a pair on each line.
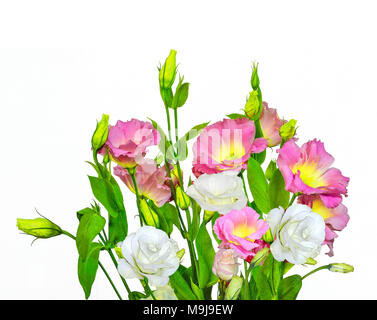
221,192
152,181
336,219
150,253
239,229
298,232
307,170
225,265
270,124
226,145
128,141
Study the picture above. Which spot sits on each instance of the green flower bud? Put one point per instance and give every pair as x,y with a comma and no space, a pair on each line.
106,158
168,71
208,215
183,200
180,253
234,288
311,261
288,130
270,170
341,267
255,77
39,227
101,133
253,105
260,256
119,253
268,236
149,215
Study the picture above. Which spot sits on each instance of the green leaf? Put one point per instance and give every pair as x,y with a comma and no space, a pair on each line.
195,219
269,278
290,287
166,224
213,220
236,116
104,193
276,191
87,269
90,225
206,256
180,96
81,212
258,185
181,287
110,196
165,146
170,213
181,145
197,291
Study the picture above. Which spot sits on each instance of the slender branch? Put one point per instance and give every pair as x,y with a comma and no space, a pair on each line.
315,270
108,278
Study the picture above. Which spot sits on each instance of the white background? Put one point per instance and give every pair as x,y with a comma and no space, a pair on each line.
64,63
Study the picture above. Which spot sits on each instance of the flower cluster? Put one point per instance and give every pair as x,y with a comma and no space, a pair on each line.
263,221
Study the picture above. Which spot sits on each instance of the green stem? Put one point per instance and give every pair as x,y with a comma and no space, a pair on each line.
100,264
244,186
293,199
116,266
141,217
315,270
147,288
111,282
168,121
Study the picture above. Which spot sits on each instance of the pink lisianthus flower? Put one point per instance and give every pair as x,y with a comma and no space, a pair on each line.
128,141
307,170
152,181
239,230
270,124
336,219
226,145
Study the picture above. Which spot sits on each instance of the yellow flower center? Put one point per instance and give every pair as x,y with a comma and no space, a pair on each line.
230,152
309,174
320,208
243,230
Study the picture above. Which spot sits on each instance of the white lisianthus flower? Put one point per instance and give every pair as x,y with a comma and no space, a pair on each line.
298,233
221,192
150,253
163,293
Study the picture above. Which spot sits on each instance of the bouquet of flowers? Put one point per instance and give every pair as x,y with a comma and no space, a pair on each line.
246,221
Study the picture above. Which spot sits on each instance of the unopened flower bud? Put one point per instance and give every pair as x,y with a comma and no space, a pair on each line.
225,264
183,200
311,261
181,253
106,158
341,267
119,253
288,130
168,71
268,237
234,288
253,105
101,133
208,215
260,256
39,227
149,215
255,77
